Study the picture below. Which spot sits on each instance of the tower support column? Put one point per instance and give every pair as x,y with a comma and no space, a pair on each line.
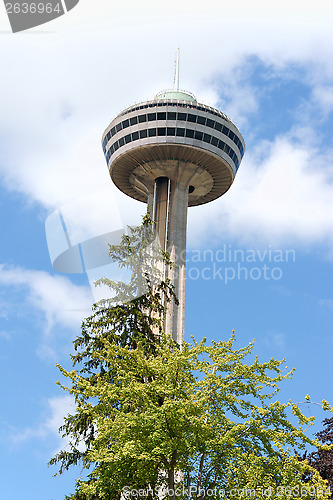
161,209
170,215
176,247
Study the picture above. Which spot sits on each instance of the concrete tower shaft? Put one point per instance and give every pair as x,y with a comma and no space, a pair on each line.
171,153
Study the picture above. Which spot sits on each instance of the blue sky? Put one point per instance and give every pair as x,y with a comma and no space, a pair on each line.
269,67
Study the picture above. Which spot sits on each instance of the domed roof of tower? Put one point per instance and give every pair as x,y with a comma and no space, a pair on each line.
175,94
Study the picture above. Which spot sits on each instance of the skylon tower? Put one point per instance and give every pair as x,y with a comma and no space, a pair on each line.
173,153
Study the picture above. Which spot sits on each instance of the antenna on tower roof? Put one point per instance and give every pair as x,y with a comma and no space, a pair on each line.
176,78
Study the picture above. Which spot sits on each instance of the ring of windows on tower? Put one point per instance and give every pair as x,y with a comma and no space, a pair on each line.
173,132
174,116
179,104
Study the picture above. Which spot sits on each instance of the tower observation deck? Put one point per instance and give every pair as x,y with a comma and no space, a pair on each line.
173,153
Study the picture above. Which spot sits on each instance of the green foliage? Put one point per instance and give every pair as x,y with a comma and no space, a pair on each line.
200,410
130,317
176,422
141,254
322,458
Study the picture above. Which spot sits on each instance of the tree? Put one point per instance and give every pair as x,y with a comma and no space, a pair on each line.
322,459
134,314
160,420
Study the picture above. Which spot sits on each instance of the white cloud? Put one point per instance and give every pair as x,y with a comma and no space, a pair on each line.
326,303
47,430
276,340
72,80
323,97
56,297
57,408
59,304
5,335
283,195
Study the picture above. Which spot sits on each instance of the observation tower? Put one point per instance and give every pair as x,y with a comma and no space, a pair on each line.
173,153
